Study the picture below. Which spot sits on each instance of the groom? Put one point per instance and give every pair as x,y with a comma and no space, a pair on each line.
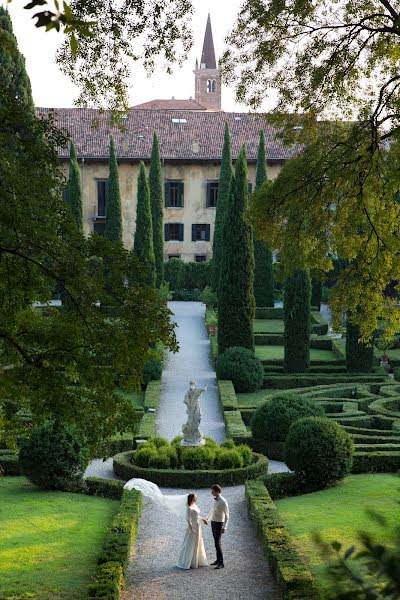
219,514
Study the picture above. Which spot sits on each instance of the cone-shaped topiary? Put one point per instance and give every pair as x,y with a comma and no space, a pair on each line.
225,178
74,187
319,450
113,228
264,285
359,357
156,203
236,306
143,243
297,318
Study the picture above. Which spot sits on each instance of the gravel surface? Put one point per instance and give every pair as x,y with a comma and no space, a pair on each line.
152,574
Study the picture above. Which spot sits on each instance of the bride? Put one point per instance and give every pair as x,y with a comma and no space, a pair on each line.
192,554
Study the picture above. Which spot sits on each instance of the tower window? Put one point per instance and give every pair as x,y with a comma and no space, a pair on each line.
211,85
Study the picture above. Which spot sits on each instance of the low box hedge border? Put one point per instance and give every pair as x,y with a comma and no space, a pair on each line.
227,395
288,568
114,557
152,395
181,478
9,464
234,424
309,380
376,462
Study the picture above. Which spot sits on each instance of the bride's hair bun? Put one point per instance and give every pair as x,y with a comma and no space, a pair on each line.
190,499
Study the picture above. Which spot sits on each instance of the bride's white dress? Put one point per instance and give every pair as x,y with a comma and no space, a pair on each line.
193,554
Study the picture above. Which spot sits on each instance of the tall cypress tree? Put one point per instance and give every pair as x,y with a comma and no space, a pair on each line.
359,357
156,202
236,306
297,318
143,243
222,204
74,187
113,229
264,285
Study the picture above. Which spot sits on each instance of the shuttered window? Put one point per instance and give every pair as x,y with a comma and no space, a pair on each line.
212,194
200,232
174,194
173,232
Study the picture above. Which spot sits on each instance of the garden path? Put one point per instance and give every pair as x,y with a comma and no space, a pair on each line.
152,574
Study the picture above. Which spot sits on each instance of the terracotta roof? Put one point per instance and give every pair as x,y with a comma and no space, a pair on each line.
171,104
183,135
208,54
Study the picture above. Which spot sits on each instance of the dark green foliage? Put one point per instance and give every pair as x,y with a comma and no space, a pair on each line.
196,459
228,443
247,454
156,203
264,286
241,367
223,200
228,459
107,488
187,275
160,460
9,463
55,456
152,371
359,357
143,455
143,243
209,297
236,304
272,420
319,450
297,320
74,187
113,229
316,293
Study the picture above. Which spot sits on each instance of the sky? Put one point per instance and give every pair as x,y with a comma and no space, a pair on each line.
53,89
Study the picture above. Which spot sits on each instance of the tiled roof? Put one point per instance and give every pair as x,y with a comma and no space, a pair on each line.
198,135
171,104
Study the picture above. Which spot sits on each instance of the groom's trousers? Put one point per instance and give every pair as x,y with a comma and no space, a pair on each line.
216,531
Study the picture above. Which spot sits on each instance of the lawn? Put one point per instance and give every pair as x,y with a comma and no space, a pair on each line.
338,513
136,398
268,326
49,541
252,398
276,353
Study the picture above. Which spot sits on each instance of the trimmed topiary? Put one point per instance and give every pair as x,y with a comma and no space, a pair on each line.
297,319
143,455
55,456
246,453
160,460
152,371
319,450
242,367
228,459
228,443
197,458
273,419
158,441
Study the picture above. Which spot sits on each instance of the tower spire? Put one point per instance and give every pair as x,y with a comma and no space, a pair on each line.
208,53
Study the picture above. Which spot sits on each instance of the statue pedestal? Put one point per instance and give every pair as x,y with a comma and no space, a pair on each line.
190,443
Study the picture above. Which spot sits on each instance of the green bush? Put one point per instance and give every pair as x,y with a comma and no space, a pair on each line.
246,453
241,367
152,371
209,297
55,456
187,275
297,319
143,455
228,444
159,460
272,420
228,459
158,441
319,450
197,458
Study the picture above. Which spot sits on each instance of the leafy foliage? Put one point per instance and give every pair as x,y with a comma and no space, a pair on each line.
74,187
113,229
319,450
241,367
152,370
297,319
143,242
55,456
359,356
236,305
187,275
224,187
156,203
273,419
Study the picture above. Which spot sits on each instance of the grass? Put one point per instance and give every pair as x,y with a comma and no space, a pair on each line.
252,398
136,398
268,326
338,513
276,353
49,541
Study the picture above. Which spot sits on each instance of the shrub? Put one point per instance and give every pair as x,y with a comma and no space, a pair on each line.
55,456
228,459
228,444
319,450
152,370
359,357
209,297
159,460
158,441
143,455
210,443
242,367
197,458
272,420
297,318
246,453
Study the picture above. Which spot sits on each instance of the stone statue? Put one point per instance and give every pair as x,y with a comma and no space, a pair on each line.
193,436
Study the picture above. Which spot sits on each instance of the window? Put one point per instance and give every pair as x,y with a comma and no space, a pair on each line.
176,120
173,256
198,85
65,193
99,226
211,85
101,197
200,257
212,194
174,194
200,232
173,232
249,187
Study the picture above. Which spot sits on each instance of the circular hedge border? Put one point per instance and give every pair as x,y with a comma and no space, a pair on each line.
181,478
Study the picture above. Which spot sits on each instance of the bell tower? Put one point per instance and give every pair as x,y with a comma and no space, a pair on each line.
206,75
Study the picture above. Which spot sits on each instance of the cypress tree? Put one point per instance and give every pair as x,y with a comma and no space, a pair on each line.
222,207
359,357
156,202
74,187
143,243
113,229
297,319
236,306
316,292
264,285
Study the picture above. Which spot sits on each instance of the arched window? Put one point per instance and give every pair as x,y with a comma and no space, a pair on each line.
198,85
209,85
213,85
